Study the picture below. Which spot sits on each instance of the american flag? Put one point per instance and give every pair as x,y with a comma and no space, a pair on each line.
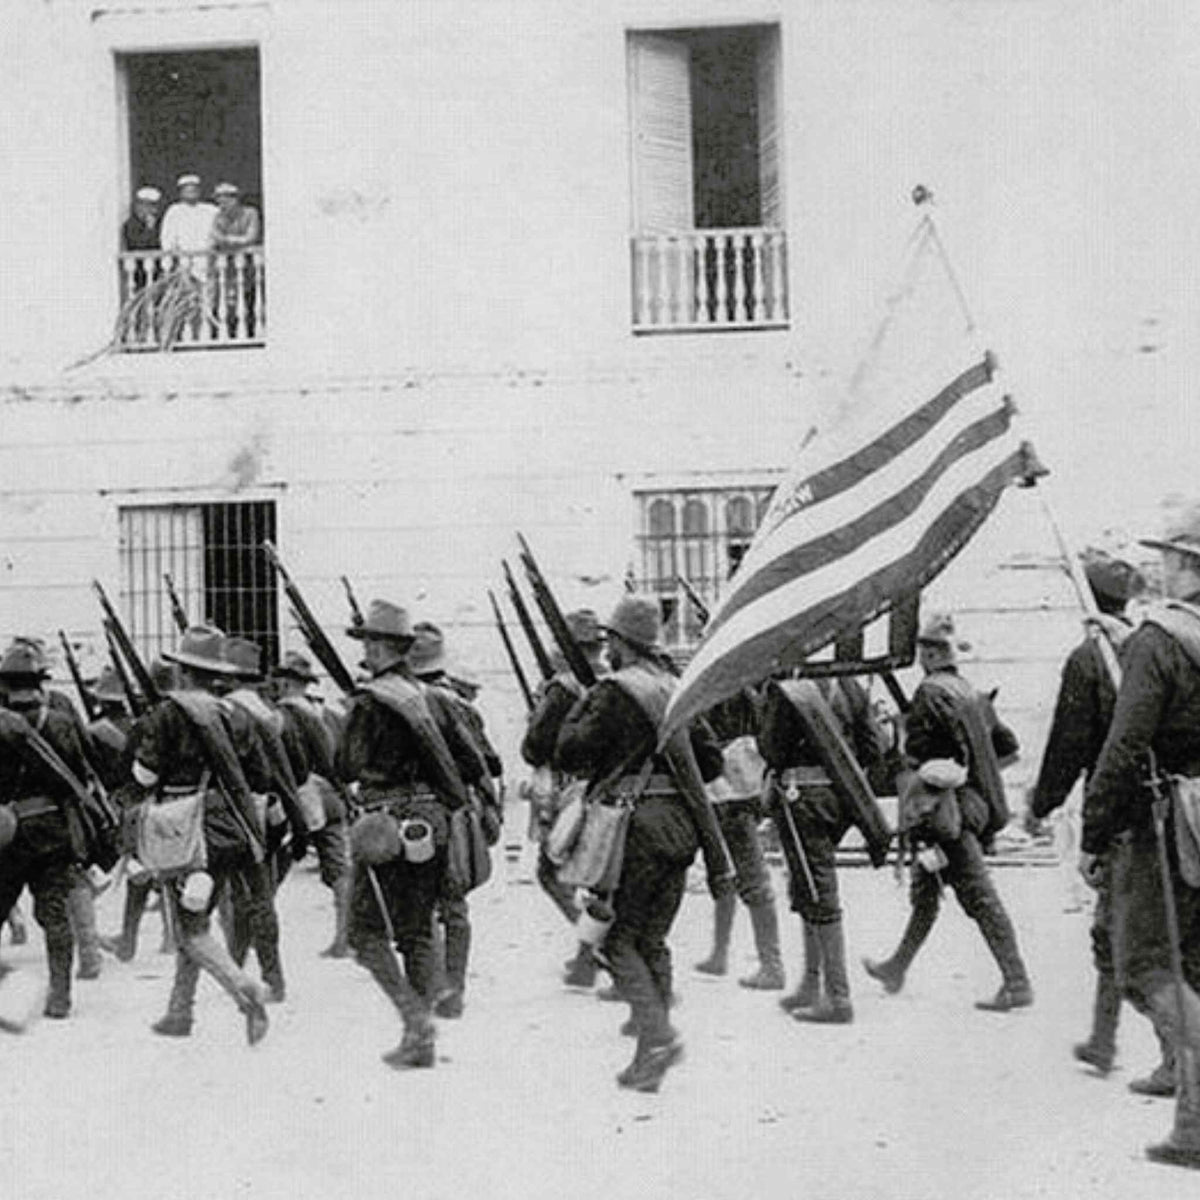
873,512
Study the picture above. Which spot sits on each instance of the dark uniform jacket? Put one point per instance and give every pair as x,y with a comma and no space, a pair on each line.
1082,714
22,771
1158,709
559,696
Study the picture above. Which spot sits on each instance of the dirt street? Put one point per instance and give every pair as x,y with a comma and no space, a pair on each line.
922,1097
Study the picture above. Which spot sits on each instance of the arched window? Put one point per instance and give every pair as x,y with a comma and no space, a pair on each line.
695,541
660,545
739,530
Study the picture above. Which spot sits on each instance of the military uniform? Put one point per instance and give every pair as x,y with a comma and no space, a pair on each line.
1157,711
949,720
612,731
185,739
813,808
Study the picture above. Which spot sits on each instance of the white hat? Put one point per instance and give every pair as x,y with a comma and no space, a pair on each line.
226,189
152,194
184,180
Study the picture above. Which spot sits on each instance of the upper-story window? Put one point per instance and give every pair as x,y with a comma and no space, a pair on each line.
191,259
708,245
699,535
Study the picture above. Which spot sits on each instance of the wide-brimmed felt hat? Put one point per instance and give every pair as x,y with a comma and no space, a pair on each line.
296,666
636,620
108,687
1182,533
384,620
428,652
201,649
244,657
585,627
938,630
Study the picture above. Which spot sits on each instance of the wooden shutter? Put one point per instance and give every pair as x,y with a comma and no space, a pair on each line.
770,130
660,77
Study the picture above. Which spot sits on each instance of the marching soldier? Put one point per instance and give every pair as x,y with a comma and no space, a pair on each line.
610,736
40,845
427,661
557,699
412,766
954,738
1155,737
187,741
311,750
737,796
821,739
1082,714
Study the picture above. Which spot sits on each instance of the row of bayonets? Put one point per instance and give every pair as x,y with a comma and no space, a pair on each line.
142,692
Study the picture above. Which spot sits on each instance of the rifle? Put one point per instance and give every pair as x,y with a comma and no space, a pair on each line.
127,649
576,659
356,617
311,631
137,705
177,610
85,697
694,596
514,662
535,643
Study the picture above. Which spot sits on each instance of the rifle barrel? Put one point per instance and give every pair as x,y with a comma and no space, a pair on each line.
85,697
127,648
514,662
535,642
576,659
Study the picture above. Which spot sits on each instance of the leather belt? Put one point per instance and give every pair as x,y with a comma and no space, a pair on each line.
805,777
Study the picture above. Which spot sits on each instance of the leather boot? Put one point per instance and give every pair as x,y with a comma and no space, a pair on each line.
652,1059
717,963
581,970
81,904
124,946
1016,990
769,977
1181,1030
835,1007
1161,1081
458,950
60,951
1101,1047
809,991
891,971
178,1019
416,1048
340,946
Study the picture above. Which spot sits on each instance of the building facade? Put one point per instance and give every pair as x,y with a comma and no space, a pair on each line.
587,271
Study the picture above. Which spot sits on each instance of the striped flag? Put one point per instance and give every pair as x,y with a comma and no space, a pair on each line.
873,512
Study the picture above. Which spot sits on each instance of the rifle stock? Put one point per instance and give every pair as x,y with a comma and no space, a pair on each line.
581,668
85,696
514,662
311,631
535,642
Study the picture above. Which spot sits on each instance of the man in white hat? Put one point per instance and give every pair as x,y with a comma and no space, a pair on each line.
610,738
187,227
950,722
190,740
1154,743
413,766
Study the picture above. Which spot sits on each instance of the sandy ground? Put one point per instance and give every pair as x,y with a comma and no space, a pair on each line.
922,1097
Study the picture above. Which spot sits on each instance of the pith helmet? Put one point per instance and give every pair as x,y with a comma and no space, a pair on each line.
201,650
384,620
428,653
1182,533
636,620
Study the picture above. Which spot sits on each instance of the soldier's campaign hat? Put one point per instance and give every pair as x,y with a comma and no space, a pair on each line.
226,189
1182,533
938,630
24,659
150,194
384,620
637,621
296,666
201,649
585,627
184,180
428,653
243,656
108,687
1111,578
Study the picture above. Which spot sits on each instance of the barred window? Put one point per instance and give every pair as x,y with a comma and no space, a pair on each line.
700,535
215,558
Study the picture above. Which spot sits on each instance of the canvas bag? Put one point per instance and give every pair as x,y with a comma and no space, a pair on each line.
598,850
468,858
564,833
171,833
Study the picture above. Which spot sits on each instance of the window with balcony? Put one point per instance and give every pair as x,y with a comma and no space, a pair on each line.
192,268
213,554
708,248
698,536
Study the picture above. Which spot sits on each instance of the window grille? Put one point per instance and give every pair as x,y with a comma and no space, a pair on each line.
700,535
214,555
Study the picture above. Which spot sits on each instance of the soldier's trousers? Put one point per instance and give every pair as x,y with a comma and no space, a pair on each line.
739,824
253,921
39,857
812,866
